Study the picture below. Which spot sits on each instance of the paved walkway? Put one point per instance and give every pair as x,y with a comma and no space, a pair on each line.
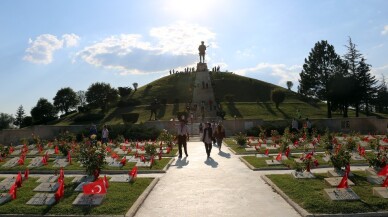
224,186
204,94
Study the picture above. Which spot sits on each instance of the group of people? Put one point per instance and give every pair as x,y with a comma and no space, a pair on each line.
295,126
209,134
104,133
186,70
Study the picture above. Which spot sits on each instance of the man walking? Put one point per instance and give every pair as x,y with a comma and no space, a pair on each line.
183,137
207,139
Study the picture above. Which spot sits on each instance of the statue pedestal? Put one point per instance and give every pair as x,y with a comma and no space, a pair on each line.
201,67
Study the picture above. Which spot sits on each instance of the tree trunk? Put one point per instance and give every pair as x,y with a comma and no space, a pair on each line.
328,109
357,109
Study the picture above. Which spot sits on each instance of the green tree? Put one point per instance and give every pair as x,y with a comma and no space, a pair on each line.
341,95
135,85
43,112
81,96
318,69
289,85
65,99
5,121
101,95
19,117
124,91
381,100
27,121
366,84
278,96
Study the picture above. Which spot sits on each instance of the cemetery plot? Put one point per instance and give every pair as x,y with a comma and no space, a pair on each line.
50,178
36,162
60,162
11,163
41,199
4,198
341,194
47,187
89,200
376,180
334,181
123,178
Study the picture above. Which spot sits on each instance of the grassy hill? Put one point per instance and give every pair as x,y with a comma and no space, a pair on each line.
240,96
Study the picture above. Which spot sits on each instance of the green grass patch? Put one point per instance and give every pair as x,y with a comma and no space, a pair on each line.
310,195
118,200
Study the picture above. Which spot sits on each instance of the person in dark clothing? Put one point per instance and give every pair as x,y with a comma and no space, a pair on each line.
207,139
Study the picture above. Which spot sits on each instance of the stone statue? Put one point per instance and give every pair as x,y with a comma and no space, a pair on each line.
202,49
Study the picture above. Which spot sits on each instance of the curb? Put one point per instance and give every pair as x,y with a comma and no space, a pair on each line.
168,165
135,207
304,212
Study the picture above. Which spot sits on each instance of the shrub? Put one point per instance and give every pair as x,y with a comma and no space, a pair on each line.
150,149
278,96
341,159
92,156
89,118
378,160
241,138
128,102
130,117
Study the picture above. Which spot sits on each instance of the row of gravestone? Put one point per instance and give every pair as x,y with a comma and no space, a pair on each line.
49,184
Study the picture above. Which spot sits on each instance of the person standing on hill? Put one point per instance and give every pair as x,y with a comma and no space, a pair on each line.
207,139
219,134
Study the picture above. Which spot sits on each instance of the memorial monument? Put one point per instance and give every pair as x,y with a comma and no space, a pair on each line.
202,66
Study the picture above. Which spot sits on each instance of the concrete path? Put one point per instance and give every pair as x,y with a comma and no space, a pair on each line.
222,186
204,94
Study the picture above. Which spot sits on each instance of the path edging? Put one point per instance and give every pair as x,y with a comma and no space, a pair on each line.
135,207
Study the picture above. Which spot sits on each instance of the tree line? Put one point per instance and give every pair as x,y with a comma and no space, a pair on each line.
342,82
98,95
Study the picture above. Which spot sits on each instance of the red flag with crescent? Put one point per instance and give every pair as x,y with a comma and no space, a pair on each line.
344,182
266,151
123,161
97,187
384,171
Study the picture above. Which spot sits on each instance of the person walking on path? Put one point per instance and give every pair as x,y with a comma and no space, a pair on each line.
219,134
207,139
200,127
294,126
105,134
183,137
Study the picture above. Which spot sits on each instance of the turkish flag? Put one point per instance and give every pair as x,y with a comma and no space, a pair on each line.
168,150
266,151
21,160
287,152
97,187
133,173
385,183
44,161
108,149
126,141
384,171
309,156
56,150
344,182
123,161
61,173
124,148
279,157
142,158
114,155
61,190
12,191
106,182
316,164
19,180
152,160
26,173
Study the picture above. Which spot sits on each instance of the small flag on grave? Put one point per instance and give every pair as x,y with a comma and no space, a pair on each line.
168,150
152,160
316,164
12,191
287,151
61,190
142,158
347,169
61,173
26,173
96,187
56,150
160,155
123,161
133,173
344,182
21,160
384,171
69,157
106,182
266,151
19,180
279,157
385,183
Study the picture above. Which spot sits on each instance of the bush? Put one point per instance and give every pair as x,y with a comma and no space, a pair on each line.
128,102
89,118
130,117
341,159
278,96
241,138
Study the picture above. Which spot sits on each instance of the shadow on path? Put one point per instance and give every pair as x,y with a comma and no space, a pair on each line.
180,163
224,154
211,162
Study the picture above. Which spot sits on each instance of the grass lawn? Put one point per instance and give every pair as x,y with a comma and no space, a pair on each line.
118,200
310,195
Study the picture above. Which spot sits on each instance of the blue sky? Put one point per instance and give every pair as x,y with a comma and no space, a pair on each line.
46,45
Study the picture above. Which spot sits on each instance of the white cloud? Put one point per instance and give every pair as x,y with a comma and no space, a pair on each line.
174,46
379,72
385,30
41,50
281,72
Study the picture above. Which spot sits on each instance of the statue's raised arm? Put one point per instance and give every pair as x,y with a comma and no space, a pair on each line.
202,49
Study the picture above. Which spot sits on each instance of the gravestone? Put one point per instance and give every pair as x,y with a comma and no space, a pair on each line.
79,179
271,147
371,171
35,162
383,143
4,198
50,178
33,152
5,186
9,179
273,162
119,151
380,192
377,180
335,173
326,158
143,164
122,178
341,194
11,163
357,157
50,151
132,159
302,175
250,149
139,151
261,155
363,144
89,200
79,187
335,181
47,187
41,199
16,152
60,162
115,164
298,160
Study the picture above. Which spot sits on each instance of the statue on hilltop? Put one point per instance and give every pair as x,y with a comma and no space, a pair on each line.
202,49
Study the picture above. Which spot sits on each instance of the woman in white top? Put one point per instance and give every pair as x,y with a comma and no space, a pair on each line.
207,139
105,134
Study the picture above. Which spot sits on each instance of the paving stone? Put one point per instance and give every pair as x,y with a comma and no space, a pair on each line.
341,194
122,178
79,187
376,179
60,162
380,192
302,175
273,162
41,199
89,200
47,187
334,181
4,198
79,179
334,173
35,162
11,163
44,179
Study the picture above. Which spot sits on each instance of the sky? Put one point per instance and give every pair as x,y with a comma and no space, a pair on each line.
46,45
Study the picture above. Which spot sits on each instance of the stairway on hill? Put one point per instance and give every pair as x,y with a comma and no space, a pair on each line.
203,95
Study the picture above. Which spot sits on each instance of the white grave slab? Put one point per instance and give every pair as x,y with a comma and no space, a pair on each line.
50,178
11,163
5,186
89,200
302,175
140,152
50,151
35,162
335,181
4,198
273,162
122,178
383,143
380,192
377,180
326,158
261,155
335,173
119,151
143,164
61,162
250,149
47,187
343,194
79,187
16,152
357,157
115,164
371,171
298,160
9,179
41,199
79,179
